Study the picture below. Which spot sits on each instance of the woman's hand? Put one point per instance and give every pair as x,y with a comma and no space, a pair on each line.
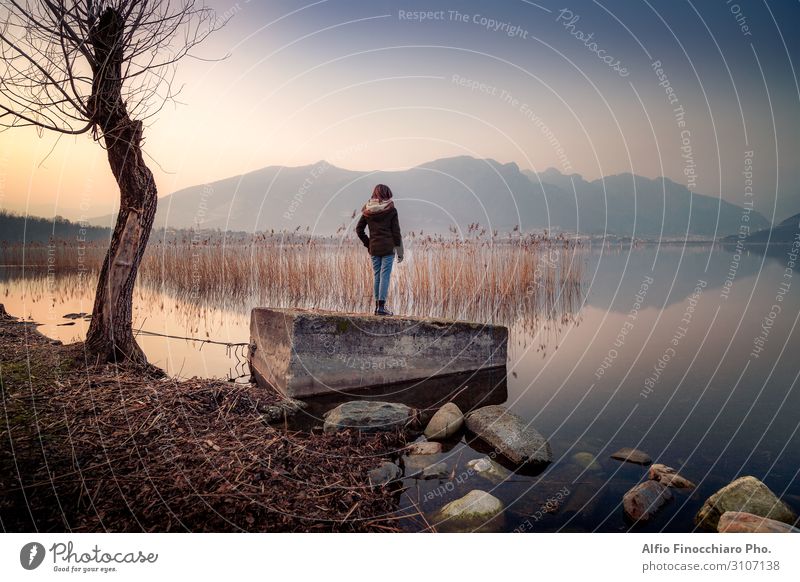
399,252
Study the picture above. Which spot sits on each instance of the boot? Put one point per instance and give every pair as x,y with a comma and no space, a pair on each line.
381,310
377,306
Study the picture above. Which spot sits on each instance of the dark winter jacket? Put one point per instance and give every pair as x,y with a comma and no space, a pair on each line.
384,232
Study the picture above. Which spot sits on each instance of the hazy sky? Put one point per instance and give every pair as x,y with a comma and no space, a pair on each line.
367,85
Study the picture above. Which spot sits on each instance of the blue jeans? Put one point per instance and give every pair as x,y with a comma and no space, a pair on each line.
382,267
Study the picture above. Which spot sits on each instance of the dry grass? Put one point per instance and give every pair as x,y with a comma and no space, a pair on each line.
486,280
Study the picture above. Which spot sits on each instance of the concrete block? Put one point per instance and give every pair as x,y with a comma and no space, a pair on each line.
305,353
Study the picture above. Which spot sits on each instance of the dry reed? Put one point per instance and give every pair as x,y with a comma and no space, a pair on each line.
487,280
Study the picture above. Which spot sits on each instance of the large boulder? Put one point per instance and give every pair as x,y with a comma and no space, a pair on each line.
367,416
510,436
746,494
742,522
643,501
447,421
476,511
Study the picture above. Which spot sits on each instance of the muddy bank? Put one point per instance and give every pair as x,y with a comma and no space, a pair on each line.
89,448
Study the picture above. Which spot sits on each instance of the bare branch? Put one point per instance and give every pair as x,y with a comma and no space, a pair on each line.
51,59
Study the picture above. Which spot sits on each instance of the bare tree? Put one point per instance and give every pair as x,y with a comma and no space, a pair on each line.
101,66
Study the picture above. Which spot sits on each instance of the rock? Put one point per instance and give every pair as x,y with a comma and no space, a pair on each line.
424,448
476,511
414,464
436,471
447,421
632,456
746,494
488,469
645,499
384,474
303,352
583,498
587,461
742,522
668,477
509,435
367,416
282,410
423,467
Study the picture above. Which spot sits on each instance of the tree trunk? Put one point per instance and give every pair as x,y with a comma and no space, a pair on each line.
110,336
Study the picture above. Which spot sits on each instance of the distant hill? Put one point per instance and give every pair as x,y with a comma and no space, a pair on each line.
628,204
783,232
15,228
450,193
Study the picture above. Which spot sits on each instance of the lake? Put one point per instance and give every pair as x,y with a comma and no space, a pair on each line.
688,352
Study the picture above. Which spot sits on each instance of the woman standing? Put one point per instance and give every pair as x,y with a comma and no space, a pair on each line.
384,240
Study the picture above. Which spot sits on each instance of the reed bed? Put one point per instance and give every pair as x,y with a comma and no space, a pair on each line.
487,280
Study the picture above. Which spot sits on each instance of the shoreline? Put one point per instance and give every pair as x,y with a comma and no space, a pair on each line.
96,448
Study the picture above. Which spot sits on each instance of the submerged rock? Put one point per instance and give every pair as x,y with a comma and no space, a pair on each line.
743,522
746,494
384,474
583,498
414,464
488,469
643,501
423,467
424,448
436,471
476,511
447,421
367,416
509,435
632,456
667,476
587,460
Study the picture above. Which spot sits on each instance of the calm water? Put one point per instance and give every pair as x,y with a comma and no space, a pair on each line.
688,353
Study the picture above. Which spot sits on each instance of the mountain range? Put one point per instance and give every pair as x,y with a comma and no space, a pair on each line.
448,193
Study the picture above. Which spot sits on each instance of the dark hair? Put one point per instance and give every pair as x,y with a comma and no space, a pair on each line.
382,192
